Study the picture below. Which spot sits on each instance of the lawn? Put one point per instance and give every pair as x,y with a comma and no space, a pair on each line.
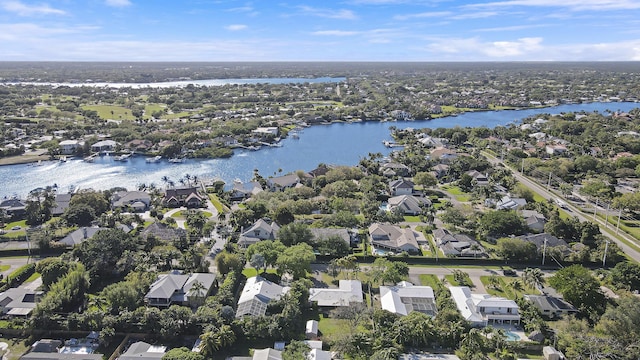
181,215
430,280
32,278
330,327
17,347
457,193
5,267
114,112
251,272
21,223
505,287
216,203
411,218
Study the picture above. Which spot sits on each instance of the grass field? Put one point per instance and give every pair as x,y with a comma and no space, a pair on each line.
216,203
457,193
114,112
183,215
17,347
505,287
32,278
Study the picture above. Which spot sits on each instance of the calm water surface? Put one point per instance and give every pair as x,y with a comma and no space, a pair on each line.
340,144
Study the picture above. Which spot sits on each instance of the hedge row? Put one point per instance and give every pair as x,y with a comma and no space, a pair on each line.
19,276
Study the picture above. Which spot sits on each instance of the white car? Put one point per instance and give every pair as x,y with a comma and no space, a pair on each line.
16,227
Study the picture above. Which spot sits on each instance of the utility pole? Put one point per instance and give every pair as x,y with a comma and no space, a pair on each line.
606,217
604,257
618,226
549,182
522,167
595,210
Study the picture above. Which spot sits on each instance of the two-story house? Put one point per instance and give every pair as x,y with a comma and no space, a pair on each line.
483,309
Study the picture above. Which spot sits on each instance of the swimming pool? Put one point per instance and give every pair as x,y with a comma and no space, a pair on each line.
511,336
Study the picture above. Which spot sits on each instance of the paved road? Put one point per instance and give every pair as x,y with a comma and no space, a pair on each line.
542,191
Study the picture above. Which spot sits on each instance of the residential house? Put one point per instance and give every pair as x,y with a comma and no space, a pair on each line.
176,288
62,204
266,354
406,297
324,233
261,230
256,294
348,292
391,169
479,179
457,245
47,349
137,201
483,309
280,183
556,149
509,203
544,239
322,169
183,196
442,155
69,147
408,204
318,354
104,145
393,238
440,170
143,351
534,220
18,301
401,187
164,232
551,306
426,356
139,145
266,131
78,236
432,142
14,208
242,191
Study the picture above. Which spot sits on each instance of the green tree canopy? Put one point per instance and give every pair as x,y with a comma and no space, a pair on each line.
296,260
501,223
295,233
580,288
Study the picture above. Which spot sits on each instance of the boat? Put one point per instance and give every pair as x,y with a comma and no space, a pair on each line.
89,158
154,159
176,160
123,157
63,158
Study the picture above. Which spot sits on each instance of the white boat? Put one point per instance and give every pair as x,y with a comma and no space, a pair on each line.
63,159
123,157
154,159
176,160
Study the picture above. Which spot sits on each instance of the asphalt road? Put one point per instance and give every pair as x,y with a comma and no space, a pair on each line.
575,211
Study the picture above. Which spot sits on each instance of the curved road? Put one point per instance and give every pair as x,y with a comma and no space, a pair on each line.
542,191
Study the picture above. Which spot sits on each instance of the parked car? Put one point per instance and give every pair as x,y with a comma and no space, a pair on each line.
17,227
509,272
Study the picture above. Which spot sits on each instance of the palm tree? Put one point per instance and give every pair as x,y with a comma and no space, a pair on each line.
517,285
199,292
209,344
533,277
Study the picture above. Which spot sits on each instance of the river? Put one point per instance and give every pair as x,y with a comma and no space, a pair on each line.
339,144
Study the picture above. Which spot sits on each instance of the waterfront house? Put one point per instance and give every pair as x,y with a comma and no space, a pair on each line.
14,208
68,147
442,155
401,187
61,205
183,196
259,231
393,238
391,169
104,145
136,201
347,293
406,297
242,191
457,245
256,294
280,183
139,145
483,309
176,288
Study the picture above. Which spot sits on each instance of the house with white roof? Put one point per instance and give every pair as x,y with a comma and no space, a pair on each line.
68,147
242,191
318,354
348,292
406,297
18,301
393,238
104,145
256,294
267,354
311,329
483,309
280,183
259,231
175,288
509,203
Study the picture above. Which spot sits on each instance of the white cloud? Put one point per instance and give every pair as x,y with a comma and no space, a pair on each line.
25,32
22,9
512,28
236,27
328,13
431,14
570,4
335,33
475,15
118,3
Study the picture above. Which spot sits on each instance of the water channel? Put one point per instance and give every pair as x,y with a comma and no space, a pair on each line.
338,143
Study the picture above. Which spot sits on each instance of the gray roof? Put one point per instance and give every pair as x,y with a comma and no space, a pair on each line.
59,356
177,286
324,233
80,235
143,351
539,239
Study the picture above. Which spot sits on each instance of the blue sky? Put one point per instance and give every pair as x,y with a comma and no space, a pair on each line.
347,30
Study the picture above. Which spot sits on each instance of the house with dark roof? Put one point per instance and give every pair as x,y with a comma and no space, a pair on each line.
544,239
176,288
18,301
164,232
551,306
183,196
479,179
15,208
259,231
62,204
143,351
393,238
401,187
457,245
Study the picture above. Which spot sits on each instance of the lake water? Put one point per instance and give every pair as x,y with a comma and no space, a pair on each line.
339,144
